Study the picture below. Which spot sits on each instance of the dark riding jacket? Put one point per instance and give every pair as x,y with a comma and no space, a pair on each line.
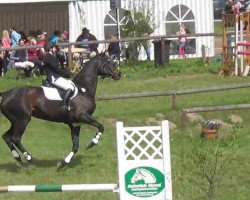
52,68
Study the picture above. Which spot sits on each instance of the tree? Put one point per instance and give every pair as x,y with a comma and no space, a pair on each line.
138,23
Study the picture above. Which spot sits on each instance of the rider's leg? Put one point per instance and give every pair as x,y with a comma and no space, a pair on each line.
66,98
66,85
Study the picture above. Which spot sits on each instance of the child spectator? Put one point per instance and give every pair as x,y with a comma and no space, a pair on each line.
182,41
6,41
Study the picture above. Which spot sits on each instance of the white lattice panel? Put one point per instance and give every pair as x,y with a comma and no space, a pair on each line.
144,162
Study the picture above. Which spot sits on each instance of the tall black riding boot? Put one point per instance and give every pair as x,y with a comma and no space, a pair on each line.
66,99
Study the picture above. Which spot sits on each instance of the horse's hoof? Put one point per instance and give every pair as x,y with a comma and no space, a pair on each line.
90,145
19,164
60,165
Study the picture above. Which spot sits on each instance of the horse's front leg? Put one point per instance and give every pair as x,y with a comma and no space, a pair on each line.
88,119
75,132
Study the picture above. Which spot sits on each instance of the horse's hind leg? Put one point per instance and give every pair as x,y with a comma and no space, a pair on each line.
18,131
7,137
75,132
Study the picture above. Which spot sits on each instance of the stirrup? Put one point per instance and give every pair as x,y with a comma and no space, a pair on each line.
66,107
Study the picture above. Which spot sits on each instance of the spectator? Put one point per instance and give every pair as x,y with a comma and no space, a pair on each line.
41,40
15,37
63,37
114,49
24,37
6,42
41,37
34,54
229,7
60,54
85,37
53,38
20,59
237,7
182,41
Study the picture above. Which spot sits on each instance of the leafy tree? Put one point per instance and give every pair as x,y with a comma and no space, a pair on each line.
138,23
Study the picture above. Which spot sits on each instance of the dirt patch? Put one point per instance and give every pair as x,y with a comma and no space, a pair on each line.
235,119
111,121
194,117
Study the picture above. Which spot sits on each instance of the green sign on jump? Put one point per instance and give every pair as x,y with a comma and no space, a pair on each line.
144,182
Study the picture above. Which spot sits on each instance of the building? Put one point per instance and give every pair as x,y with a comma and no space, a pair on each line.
96,15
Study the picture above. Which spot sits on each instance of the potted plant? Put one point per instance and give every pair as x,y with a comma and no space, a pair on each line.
209,129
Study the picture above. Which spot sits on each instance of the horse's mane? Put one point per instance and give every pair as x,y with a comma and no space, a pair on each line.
93,59
88,65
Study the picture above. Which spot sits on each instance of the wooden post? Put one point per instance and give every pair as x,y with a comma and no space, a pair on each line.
174,97
69,58
184,119
162,51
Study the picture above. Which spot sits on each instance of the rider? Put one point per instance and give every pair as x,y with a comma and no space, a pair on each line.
57,75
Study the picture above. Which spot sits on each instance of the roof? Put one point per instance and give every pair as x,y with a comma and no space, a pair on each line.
30,1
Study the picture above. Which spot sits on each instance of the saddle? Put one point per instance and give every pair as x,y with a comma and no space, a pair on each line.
53,92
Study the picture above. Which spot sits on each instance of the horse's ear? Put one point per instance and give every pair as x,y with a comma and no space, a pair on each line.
106,52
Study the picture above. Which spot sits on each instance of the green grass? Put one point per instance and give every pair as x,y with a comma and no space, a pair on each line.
49,142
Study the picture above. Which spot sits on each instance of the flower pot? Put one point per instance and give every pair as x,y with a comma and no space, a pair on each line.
209,133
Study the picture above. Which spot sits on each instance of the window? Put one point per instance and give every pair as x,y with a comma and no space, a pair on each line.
177,15
110,22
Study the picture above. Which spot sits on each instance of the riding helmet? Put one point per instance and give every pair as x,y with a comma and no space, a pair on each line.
49,45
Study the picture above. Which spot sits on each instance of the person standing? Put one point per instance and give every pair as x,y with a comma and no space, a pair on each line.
182,41
15,37
114,49
229,7
6,42
56,75
56,35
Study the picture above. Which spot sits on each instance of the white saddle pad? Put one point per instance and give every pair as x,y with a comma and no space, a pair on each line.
52,93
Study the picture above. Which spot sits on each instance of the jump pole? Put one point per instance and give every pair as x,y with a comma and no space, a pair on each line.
59,188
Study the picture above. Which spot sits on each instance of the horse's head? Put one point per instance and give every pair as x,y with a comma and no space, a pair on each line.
108,68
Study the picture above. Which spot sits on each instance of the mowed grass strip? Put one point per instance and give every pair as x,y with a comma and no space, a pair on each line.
49,142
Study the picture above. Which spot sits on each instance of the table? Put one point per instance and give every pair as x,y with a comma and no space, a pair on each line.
75,50
78,55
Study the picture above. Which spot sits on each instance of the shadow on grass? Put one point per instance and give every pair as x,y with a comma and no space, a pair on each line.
39,163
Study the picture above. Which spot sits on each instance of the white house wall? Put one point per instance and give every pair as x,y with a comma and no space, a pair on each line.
96,11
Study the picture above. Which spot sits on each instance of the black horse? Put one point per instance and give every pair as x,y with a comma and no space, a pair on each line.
19,104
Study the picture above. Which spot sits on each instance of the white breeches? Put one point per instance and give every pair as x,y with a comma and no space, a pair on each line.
24,65
63,83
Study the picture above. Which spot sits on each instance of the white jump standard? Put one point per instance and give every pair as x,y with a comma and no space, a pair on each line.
143,164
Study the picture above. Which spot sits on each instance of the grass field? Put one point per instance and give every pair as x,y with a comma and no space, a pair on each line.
49,142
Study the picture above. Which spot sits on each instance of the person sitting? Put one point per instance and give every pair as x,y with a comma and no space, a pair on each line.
86,36
41,40
20,59
56,75
34,55
53,38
